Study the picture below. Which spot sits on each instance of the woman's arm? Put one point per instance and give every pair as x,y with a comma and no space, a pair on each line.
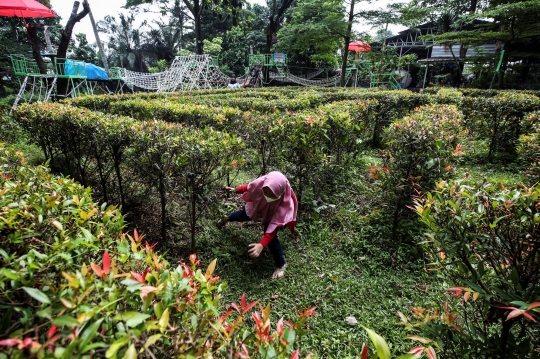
241,189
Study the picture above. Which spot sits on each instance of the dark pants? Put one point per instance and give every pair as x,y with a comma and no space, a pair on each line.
274,245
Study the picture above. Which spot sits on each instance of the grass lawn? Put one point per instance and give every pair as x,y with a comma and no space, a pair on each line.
344,263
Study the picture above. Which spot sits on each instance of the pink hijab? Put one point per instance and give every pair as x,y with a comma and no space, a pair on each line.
278,213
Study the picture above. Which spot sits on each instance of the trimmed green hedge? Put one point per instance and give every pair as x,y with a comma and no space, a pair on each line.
498,119
74,285
129,159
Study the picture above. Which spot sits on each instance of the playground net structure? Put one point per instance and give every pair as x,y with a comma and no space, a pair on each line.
192,72
189,72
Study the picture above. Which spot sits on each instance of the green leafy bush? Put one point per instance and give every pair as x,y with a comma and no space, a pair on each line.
131,159
485,238
422,148
73,285
498,119
528,148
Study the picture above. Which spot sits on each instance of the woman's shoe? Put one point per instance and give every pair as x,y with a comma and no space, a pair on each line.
279,272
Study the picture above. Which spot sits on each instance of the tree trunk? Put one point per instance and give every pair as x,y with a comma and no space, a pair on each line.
505,334
458,65
346,43
268,47
382,51
98,41
63,84
198,30
504,65
271,27
34,42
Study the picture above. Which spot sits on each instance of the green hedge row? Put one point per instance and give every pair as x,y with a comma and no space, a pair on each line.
129,159
74,285
529,148
492,116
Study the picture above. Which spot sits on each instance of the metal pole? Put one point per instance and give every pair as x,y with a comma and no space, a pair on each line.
47,37
100,47
425,76
497,70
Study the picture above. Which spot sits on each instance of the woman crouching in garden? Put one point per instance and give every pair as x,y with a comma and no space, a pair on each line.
270,200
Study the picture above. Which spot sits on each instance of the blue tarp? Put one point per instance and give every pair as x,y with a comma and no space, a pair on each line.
92,72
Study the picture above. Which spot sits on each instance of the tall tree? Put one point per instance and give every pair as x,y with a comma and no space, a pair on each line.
346,42
513,25
164,40
277,9
239,39
397,13
82,50
74,18
196,8
313,33
125,40
62,86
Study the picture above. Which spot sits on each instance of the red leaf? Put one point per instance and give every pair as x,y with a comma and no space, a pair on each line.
106,263
514,314
193,258
257,317
364,351
456,291
150,246
139,278
97,269
279,328
9,342
145,273
54,339
529,316
534,305
243,301
136,235
430,352
52,331
27,342
244,354
296,354
308,312
235,306
248,307
508,308
416,350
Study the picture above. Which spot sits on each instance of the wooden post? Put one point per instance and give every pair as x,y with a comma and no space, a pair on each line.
98,41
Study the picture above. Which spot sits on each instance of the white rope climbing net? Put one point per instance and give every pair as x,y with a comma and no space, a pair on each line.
284,75
188,72
192,72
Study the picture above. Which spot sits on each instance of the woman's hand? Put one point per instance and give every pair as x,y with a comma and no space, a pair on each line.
255,249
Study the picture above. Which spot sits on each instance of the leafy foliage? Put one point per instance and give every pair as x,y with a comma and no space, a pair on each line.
498,119
528,149
485,237
422,147
73,284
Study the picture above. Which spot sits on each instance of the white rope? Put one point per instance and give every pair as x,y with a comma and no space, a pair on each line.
192,72
188,72
314,74
285,76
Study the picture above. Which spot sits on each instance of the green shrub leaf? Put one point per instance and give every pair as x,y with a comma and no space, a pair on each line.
37,294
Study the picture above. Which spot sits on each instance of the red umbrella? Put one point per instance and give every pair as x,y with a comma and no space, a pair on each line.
357,46
24,8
